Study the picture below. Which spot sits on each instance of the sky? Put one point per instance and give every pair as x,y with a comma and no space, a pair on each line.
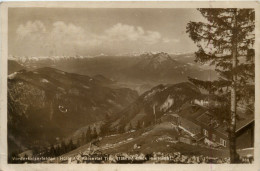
88,31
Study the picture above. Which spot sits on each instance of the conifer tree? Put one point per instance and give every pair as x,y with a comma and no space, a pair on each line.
63,148
71,146
94,134
138,126
104,128
52,151
226,41
88,135
58,150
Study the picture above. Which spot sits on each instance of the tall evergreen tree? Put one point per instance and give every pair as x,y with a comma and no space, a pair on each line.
88,135
226,41
94,133
104,128
63,148
52,151
70,145
59,150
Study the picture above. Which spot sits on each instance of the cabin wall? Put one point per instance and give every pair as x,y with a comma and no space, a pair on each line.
218,136
245,138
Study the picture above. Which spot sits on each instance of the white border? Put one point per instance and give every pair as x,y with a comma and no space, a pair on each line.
125,167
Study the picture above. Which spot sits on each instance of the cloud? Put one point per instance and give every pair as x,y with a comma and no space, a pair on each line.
152,37
30,28
67,32
66,37
124,32
121,32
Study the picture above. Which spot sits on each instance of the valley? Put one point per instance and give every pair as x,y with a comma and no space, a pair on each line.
112,105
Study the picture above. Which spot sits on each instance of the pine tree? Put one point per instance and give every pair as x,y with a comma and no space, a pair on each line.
58,150
104,128
94,133
52,151
138,126
88,135
70,146
226,41
63,148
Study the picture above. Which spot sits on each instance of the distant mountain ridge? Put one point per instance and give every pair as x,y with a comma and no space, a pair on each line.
155,61
38,58
136,71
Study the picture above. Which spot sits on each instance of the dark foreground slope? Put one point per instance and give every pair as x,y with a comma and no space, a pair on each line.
47,104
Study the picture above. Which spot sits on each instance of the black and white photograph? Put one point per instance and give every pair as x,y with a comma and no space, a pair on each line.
130,85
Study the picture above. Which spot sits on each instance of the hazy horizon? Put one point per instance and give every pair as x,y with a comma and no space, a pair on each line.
90,32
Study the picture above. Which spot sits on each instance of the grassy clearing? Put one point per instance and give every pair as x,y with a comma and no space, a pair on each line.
159,138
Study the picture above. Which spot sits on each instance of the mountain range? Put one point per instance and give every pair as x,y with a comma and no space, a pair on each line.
60,99
140,72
